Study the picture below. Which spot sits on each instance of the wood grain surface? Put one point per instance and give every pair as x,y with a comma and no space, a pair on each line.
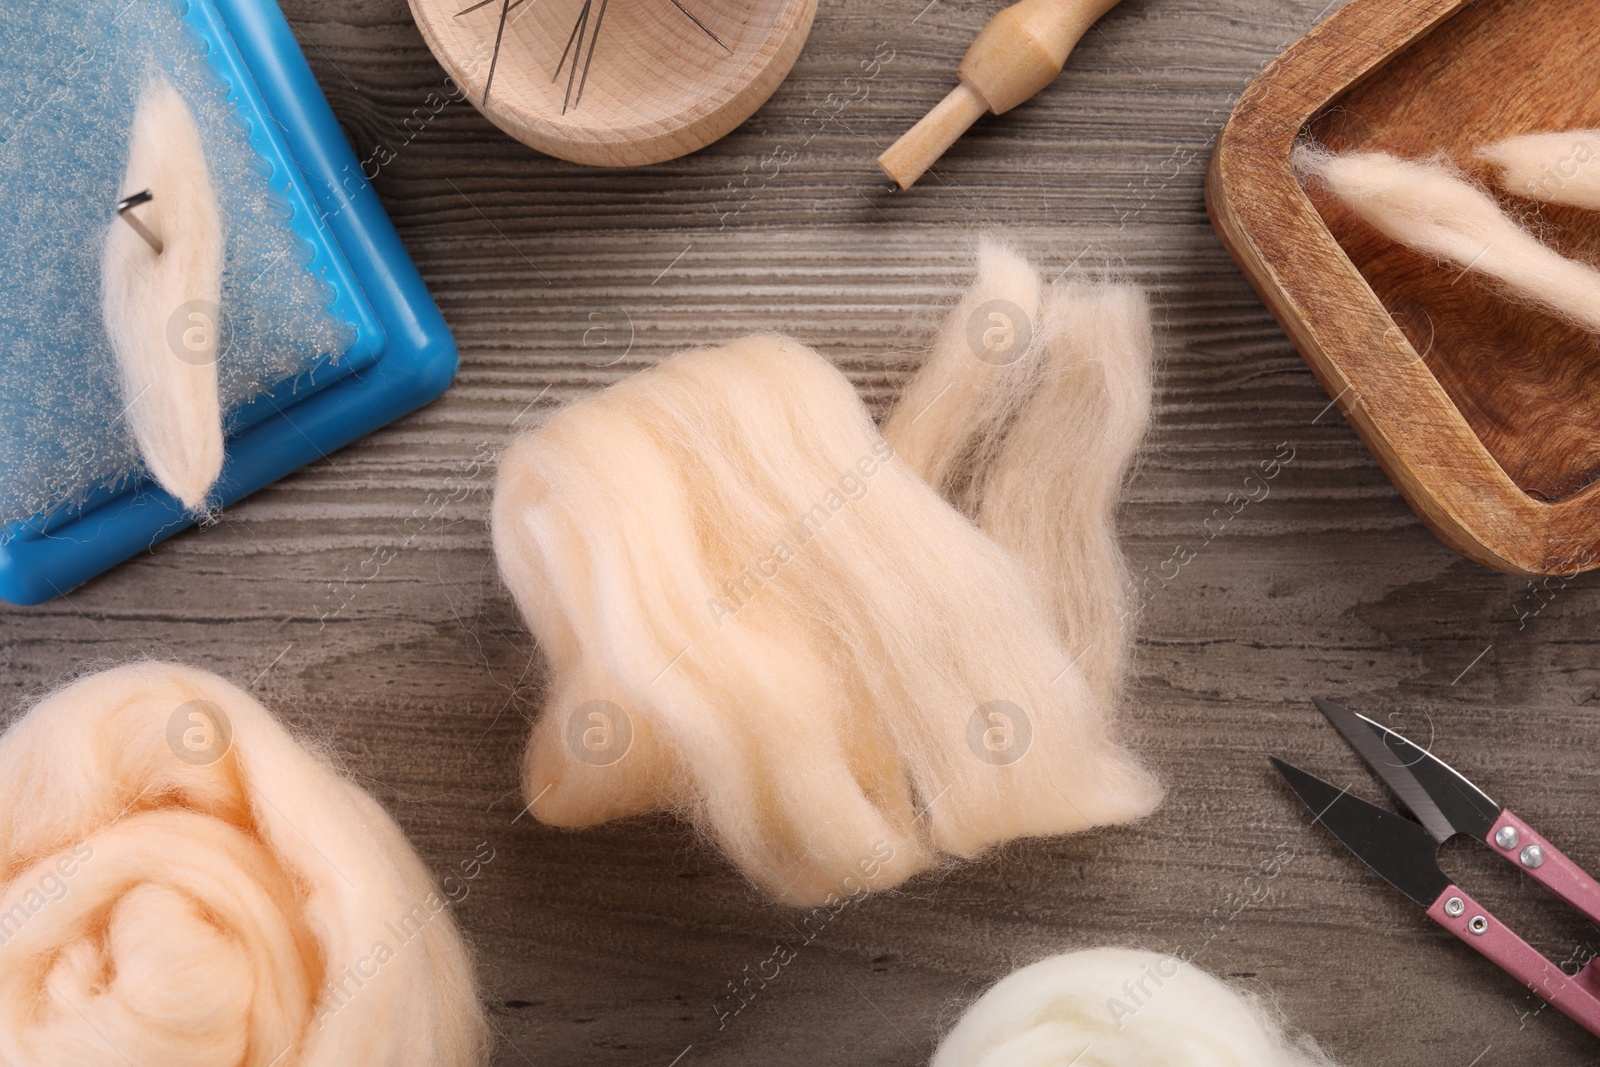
359,598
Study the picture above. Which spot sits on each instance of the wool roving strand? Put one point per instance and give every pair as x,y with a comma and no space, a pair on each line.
1558,168
1027,414
1429,206
951,419
162,308
759,617
183,884
1115,1007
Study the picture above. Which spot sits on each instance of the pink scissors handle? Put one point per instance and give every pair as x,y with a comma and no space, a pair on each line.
1519,843
1574,997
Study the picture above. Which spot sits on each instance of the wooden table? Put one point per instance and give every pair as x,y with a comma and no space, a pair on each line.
359,597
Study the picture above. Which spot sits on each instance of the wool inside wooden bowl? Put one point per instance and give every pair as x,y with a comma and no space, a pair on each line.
1482,411
616,83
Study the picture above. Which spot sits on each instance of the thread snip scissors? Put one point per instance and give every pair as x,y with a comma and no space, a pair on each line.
1406,853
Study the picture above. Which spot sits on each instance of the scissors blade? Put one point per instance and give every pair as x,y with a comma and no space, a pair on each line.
1438,795
1394,846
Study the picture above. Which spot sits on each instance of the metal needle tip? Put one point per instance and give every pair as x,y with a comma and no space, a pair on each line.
127,202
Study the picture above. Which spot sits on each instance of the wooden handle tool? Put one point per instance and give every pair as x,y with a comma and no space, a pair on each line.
1019,52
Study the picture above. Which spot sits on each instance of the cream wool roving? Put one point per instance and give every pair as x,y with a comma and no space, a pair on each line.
950,421
161,309
1430,207
1116,1007
1027,415
759,617
182,884
1559,168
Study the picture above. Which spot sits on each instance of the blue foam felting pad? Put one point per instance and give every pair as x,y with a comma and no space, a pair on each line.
333,333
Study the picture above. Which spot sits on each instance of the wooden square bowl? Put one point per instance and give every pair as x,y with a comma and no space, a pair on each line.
1485,413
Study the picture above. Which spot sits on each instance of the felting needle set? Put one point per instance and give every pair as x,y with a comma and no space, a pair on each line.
846,648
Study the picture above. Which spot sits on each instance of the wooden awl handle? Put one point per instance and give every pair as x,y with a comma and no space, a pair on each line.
1019,52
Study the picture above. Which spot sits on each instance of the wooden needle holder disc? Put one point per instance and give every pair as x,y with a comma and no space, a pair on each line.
655,79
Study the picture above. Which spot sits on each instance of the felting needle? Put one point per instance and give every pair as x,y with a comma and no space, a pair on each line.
579,26
594,39
703,27
127,202
505,9
485,3
1018,53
